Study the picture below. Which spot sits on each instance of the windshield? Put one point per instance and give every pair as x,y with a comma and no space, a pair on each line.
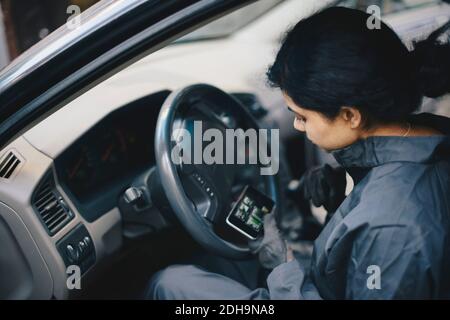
233,22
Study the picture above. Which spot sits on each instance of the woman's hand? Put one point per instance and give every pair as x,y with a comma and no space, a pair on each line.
270,247
324,186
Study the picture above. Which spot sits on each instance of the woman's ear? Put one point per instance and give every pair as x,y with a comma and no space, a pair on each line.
352,116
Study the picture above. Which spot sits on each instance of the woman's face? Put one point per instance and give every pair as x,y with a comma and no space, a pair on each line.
323,132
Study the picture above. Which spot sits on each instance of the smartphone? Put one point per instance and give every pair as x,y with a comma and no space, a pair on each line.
247,214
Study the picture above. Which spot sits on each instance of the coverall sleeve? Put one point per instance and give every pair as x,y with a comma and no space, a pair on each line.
290,281
389,263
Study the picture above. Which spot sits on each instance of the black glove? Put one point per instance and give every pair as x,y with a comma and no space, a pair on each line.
296,227
324,186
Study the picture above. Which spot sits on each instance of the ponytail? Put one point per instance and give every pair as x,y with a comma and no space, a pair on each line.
431,59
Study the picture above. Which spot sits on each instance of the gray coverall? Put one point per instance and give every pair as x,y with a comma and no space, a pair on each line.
389,239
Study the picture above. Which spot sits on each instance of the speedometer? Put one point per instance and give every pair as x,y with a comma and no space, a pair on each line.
113,148
80,171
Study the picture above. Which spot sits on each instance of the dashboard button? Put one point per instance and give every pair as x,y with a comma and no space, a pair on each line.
72,253
87,241
82,247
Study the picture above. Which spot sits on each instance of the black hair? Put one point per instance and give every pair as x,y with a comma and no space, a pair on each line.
333,59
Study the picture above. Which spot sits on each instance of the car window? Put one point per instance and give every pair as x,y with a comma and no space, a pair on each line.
233,22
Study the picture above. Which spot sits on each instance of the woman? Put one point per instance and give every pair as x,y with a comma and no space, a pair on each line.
353,91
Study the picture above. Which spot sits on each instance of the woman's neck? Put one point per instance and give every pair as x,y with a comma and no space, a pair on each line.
401,129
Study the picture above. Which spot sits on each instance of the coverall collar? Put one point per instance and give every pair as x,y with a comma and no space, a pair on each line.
378,150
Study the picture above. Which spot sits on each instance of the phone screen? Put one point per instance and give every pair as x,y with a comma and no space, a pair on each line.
247,215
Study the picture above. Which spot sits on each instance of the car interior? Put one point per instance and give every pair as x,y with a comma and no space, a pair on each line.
92,183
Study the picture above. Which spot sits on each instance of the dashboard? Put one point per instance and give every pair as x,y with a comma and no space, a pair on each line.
99,165
75,164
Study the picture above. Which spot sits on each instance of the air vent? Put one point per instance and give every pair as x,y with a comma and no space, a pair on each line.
51,207
8,165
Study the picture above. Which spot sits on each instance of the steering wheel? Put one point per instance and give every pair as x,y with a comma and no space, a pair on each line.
201,195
